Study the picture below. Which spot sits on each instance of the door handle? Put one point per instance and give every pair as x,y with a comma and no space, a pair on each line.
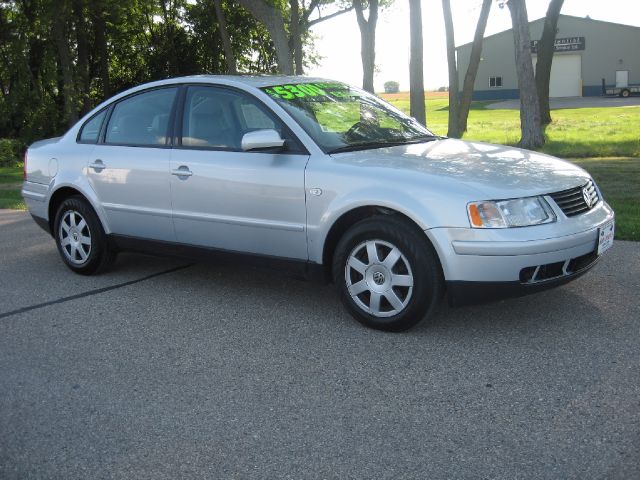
98,165
182,171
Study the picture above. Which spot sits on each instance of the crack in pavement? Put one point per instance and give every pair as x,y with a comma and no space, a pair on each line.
91,292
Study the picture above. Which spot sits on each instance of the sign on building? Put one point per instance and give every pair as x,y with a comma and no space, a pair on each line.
570,44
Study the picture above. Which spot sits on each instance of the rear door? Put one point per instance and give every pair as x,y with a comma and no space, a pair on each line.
129,169
226,198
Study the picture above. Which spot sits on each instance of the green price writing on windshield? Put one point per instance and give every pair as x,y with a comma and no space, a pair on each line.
302,90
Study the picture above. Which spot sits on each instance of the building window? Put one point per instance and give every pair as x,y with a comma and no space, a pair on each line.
495,82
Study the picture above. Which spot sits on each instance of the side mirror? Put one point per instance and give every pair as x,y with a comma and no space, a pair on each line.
261,139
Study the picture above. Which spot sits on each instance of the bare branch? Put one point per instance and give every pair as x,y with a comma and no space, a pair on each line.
327,17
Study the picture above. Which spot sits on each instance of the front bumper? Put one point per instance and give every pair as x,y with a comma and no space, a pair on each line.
467,293
505,262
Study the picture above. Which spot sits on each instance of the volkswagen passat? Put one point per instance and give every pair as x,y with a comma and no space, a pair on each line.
316,175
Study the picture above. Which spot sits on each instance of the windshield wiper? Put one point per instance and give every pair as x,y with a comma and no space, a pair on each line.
382,144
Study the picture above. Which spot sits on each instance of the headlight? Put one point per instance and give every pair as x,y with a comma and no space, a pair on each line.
517,212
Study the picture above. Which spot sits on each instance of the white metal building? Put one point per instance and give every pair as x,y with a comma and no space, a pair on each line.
586,52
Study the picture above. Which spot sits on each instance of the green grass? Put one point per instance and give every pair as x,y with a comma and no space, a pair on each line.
10,175
574,133
10,183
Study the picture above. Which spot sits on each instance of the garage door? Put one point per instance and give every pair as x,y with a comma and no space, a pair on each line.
566,76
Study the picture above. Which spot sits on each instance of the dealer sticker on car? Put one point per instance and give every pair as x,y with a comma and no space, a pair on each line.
605,238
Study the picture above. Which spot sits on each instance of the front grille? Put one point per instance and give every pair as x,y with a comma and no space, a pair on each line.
572,202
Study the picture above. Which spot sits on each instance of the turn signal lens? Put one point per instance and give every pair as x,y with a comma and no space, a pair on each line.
474,215
485,215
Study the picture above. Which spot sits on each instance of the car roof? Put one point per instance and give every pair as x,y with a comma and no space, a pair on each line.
256,81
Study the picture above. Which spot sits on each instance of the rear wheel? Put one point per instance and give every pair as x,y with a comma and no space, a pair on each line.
80,237
625,93
387,273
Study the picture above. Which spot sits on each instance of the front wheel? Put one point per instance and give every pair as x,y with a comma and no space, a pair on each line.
387,273
80,237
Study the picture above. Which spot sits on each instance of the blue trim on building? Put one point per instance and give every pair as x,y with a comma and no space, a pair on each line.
593,90
514,93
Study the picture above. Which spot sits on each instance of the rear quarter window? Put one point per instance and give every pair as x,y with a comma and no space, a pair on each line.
90,131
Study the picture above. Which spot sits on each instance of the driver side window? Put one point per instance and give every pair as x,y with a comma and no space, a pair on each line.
218,118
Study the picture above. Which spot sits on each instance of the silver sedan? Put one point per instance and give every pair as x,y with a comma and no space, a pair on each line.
321,178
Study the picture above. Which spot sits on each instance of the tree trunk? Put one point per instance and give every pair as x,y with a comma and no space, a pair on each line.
229,56
101,52
464,100
61,39
452,130
532,136
83,55
296,36
271,18
545,58
368,41
416,71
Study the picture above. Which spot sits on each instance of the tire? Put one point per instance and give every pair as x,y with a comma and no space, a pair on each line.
398,289
625,93
80,238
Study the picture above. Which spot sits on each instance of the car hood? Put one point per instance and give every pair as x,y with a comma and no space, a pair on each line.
497,171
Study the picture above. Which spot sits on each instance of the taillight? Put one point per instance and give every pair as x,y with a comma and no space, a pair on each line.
24,166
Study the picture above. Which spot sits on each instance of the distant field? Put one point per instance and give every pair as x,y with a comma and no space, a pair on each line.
390,97
584,132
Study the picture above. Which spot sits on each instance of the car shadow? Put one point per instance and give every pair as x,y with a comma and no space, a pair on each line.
558,309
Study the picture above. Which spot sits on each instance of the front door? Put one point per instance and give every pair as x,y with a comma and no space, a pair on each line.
622,78
129,170
226,198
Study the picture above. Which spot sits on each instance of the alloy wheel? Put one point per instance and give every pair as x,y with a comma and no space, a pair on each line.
75,237
379,278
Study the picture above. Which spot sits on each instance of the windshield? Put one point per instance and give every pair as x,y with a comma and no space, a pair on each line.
342,118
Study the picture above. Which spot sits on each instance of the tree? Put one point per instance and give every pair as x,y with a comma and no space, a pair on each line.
464,99
296,21
452,129
82,46
545,58
532,136
367,40
296,36
272,18
98,15
229,56
460,102
416,71
60,35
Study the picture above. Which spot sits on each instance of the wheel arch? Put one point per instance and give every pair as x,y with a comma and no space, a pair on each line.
60,195
350,217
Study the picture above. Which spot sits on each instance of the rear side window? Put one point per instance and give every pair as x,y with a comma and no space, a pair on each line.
141,120
91,129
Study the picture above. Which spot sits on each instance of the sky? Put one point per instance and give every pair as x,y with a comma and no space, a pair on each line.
338,39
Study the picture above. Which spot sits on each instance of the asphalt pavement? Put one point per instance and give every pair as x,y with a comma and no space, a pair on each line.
165,368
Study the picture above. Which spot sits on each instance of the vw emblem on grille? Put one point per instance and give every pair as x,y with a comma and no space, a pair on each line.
587,197
378,277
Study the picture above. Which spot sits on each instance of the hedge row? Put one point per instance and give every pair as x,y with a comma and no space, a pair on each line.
11,151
